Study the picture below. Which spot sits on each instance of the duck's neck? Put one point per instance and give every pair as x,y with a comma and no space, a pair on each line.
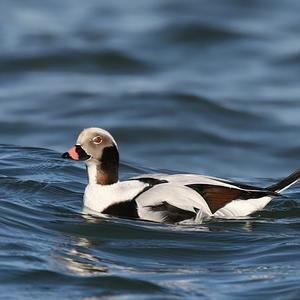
104,171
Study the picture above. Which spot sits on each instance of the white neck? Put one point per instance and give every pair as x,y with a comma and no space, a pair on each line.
92,172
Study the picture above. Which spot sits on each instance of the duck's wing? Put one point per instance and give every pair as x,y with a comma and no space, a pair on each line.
233,201
170,203
174,198
188,179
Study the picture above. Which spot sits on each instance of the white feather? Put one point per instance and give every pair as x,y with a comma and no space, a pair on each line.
181,197
242,208
98,197
186,179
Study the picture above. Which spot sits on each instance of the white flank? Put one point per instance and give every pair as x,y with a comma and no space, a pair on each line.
242,208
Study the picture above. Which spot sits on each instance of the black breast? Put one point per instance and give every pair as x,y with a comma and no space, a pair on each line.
125,209
128,209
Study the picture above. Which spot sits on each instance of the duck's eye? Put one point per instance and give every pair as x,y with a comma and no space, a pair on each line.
97,140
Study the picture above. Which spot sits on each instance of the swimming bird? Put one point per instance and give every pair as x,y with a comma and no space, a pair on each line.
162,197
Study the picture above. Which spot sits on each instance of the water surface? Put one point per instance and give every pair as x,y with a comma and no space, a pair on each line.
208,87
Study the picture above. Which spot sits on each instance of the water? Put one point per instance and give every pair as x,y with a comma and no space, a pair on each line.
209,87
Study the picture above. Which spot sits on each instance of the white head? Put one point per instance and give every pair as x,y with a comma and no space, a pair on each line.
98,149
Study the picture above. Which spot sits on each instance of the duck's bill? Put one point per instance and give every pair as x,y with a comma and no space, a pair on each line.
76,153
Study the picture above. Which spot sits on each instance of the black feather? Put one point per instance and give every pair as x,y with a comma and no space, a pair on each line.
172,214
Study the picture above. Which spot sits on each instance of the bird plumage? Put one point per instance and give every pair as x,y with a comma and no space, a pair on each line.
162,197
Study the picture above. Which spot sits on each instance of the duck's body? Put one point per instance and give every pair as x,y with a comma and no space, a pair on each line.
162,197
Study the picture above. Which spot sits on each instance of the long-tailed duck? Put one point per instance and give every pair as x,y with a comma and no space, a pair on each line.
162,197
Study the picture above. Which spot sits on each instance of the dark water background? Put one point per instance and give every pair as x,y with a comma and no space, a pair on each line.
209,87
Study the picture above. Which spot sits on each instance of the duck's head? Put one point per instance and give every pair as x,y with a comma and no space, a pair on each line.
98,149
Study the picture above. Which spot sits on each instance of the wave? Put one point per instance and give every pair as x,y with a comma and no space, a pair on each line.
197,32
105,60
48,241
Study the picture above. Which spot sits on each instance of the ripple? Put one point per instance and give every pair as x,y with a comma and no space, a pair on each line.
47,241
52,278
110,60
192,33
206,87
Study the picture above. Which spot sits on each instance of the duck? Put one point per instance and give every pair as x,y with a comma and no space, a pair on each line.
163,198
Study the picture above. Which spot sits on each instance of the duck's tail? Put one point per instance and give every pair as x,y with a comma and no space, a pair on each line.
285,183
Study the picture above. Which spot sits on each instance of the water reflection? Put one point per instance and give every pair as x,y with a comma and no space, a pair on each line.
103,237
77,260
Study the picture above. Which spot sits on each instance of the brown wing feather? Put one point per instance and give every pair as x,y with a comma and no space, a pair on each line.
217,197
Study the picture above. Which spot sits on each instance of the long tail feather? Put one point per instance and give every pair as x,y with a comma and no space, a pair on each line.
285,183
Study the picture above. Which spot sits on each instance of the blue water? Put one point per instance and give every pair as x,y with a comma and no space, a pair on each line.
209,87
